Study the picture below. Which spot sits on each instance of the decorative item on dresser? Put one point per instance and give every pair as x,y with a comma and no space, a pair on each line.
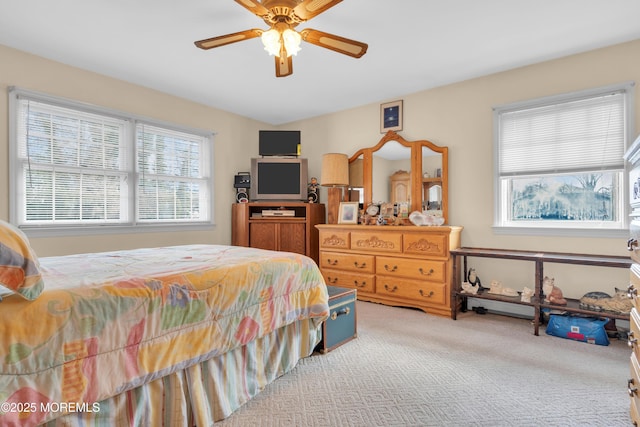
406,266
633,157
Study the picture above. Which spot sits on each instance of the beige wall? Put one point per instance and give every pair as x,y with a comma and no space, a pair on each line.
458,116
235,134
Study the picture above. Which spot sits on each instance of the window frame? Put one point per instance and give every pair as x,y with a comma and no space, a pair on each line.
563,230
130,136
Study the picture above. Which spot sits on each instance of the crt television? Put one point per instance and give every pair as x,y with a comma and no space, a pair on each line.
278,178
279,142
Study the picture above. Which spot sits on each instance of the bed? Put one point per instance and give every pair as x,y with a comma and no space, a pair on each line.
173,336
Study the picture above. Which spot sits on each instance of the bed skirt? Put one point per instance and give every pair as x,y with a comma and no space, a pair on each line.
206,392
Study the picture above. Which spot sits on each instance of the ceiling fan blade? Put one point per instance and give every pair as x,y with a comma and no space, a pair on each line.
310,8
253,7
228,39
284,66
336,43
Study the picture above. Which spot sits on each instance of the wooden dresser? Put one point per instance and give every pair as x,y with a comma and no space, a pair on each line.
633,384
402,266
633,245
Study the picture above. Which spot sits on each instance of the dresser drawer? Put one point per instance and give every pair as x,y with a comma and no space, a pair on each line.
635,415
634,333
377,242
634,285
634,239
348,262
426,245
411,268
333,239
361,282
633,384
426,292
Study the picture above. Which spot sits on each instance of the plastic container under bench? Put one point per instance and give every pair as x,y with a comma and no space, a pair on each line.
578,328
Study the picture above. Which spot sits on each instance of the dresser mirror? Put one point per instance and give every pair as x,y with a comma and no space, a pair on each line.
413,171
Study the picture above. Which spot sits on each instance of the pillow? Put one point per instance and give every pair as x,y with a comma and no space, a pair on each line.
19,267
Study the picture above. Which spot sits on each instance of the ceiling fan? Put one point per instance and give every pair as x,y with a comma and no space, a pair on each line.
281,40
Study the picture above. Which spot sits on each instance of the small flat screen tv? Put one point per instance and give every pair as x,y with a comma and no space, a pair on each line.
278,178
279,142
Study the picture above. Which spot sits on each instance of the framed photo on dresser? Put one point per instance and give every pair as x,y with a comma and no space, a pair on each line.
348,213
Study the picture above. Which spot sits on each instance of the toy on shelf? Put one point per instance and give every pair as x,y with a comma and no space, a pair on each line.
473,279
499,289
526,295
552,293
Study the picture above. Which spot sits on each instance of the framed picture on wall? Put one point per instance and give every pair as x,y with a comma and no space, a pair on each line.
391,116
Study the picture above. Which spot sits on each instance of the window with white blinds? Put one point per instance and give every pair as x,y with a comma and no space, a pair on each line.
576,135
171,184
77,166
559,160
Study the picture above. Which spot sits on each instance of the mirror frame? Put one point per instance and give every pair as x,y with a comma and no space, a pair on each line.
416,165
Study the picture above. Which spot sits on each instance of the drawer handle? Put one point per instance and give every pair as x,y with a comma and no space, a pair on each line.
632,244
630,389
631,340
428,273
345,311
632,291
363,265
390,269
332,261
359,285
429,295
388,289
332,281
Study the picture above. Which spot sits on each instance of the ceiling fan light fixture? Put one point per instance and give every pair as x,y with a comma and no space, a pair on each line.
292,41
271,41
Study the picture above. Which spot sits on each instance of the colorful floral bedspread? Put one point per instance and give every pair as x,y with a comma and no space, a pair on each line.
109,322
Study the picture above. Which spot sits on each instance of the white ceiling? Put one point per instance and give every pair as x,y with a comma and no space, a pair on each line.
413,45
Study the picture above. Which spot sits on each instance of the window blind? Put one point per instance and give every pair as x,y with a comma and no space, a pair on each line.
76,166
171,182
72,164
581,135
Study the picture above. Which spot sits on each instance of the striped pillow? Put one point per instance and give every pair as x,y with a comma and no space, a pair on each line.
19,267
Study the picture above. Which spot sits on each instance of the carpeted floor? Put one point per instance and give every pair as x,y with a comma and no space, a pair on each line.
408,368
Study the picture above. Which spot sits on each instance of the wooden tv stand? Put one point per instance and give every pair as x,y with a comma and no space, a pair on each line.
279,232
538,258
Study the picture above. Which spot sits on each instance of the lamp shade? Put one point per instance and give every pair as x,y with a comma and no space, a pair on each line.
335,170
